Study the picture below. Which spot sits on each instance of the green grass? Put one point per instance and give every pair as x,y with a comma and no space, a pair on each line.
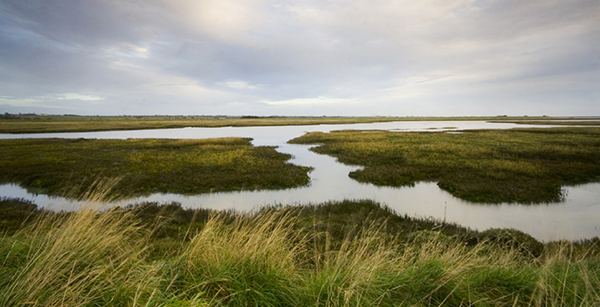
68,167
519,165
351,253
33,123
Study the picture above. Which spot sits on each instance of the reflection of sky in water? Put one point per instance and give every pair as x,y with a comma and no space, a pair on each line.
578,217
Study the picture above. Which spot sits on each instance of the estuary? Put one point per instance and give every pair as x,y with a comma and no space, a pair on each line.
577,217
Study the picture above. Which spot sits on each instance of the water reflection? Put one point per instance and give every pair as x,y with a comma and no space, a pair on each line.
576,218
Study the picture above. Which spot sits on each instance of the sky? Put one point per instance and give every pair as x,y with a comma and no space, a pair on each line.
300,58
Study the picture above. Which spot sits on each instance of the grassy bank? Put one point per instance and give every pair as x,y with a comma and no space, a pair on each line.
352,253
68,167
32,123
519,165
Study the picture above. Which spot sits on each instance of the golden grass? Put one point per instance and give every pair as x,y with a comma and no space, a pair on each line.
70,262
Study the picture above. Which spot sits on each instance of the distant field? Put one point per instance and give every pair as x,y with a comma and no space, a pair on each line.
71,123
42,124
556,122
518,165
69,167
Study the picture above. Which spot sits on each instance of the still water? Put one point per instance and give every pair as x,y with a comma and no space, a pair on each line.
577,217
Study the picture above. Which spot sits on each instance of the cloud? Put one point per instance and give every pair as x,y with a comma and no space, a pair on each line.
303,57
318,101
226,21
73,96
240,85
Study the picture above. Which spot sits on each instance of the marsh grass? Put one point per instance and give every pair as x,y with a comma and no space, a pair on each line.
32,123
144,166
279,256
69,262
519,165
246,260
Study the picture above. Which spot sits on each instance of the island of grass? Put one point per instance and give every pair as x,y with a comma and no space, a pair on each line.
69,167
492,166
350,253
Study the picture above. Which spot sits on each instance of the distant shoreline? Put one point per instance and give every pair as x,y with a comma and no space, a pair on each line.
40,123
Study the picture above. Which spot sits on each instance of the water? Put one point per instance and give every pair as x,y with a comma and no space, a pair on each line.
578,217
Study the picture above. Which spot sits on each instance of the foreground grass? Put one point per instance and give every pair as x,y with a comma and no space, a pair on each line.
352,253
32,123
67,167
519,165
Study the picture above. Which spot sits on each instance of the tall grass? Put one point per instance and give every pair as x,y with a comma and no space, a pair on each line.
77,259
273,257
246,261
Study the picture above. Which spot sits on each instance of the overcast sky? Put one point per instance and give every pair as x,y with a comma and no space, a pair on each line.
305,57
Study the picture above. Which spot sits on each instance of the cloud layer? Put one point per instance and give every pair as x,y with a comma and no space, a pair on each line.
260,57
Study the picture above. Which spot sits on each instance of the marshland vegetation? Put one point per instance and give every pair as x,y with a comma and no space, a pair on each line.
69,167
489,166
71,123
351,253
591,121
34,123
